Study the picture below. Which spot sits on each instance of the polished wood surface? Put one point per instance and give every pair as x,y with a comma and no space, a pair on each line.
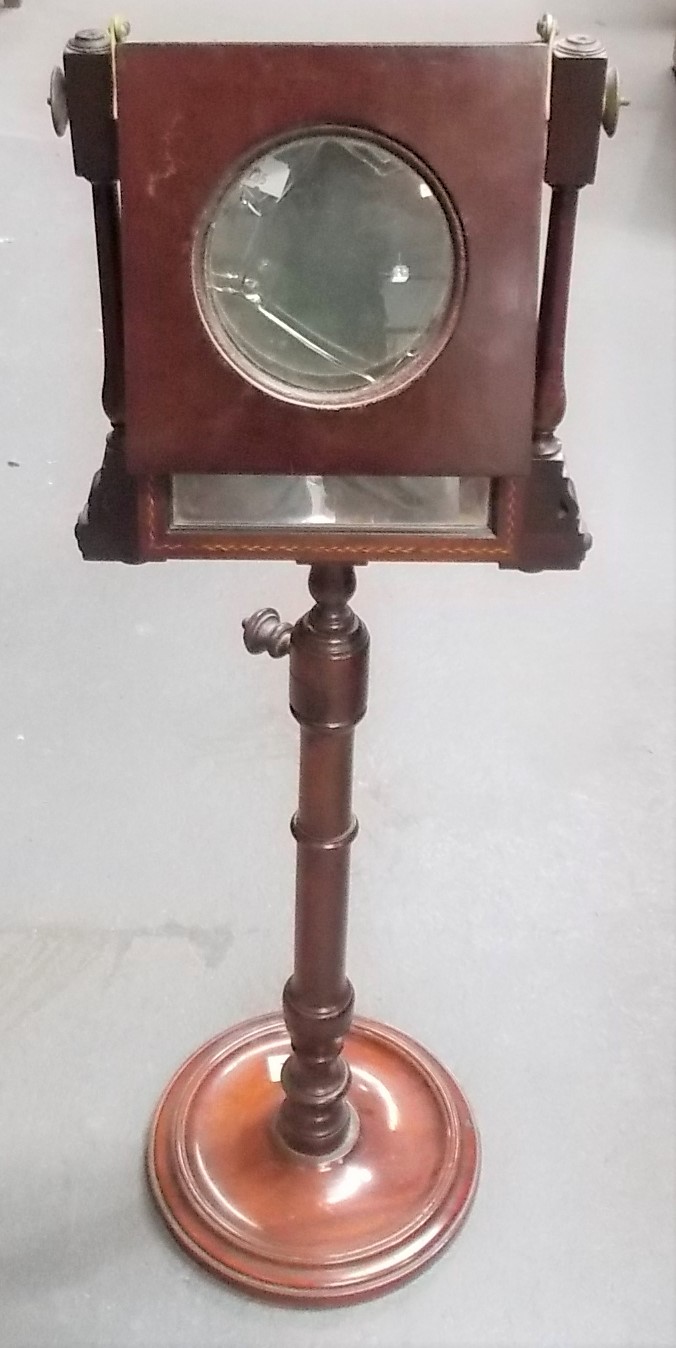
293,1229
455,108
535,521
552,535
550,386
158,541
310,1159
89,95
579,68
327,695
105,202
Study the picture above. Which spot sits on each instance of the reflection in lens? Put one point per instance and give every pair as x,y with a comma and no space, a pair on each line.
328,268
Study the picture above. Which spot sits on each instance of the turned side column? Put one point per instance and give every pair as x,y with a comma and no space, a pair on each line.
550,385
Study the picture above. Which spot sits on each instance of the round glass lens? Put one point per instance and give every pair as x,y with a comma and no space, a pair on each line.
328,269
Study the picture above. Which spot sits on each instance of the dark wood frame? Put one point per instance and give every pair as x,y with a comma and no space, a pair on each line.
159,542
188,408
536,518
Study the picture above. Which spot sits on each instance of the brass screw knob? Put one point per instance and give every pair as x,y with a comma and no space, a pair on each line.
612,102
547,27
57,101
264,631
120,28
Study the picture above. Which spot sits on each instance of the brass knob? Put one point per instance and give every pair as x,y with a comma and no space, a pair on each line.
94,40
612,102
57,101
120,28
547,28
264,631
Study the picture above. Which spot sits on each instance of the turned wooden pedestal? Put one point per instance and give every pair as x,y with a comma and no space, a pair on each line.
314,1158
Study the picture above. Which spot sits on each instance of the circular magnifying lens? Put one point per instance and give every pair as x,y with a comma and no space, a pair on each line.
329,270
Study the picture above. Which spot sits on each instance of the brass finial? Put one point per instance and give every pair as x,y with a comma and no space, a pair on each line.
547,27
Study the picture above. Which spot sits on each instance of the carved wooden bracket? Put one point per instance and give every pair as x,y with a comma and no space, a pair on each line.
553,537
107,529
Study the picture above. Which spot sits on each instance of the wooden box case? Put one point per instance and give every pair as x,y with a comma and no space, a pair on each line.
161,129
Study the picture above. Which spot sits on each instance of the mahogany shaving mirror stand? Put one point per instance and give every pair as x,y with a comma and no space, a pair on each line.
326,339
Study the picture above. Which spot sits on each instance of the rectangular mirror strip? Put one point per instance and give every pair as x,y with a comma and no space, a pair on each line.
459,505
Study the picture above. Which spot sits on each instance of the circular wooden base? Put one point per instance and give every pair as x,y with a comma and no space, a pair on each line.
305,1231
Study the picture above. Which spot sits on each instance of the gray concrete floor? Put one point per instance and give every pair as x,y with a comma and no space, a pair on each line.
513,883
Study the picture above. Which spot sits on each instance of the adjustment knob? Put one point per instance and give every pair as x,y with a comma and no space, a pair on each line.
612,102
57,101
264,631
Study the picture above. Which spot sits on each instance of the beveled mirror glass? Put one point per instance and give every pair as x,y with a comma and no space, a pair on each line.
328,270
372,504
